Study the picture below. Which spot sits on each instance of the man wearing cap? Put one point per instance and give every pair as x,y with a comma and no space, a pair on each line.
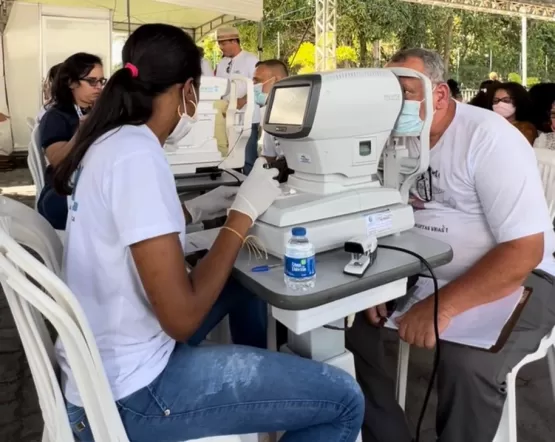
237,61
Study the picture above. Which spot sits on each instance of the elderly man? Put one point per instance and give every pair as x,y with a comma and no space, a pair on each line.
483,188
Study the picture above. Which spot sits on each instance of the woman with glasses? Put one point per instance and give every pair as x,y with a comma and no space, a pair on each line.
75,88
512,102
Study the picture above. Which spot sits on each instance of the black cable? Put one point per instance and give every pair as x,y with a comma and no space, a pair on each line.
436,330
300,43
233,175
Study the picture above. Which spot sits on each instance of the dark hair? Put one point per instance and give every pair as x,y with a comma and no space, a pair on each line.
520,97
201,51
275,64
164,56
481,98
74,69
52,72
454,88
542,96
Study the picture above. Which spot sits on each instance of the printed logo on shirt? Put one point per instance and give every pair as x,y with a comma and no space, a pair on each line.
426,190
74,205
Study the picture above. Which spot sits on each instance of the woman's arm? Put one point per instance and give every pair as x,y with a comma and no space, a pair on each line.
181,300
56,152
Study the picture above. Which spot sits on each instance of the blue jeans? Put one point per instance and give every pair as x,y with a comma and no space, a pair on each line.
251,149
218,390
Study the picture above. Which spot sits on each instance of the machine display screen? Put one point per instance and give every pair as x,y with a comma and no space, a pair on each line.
289,105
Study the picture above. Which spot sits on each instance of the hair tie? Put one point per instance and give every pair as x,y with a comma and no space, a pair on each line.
133,69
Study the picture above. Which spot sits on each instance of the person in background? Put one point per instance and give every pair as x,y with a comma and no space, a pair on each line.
455,90
481,98
124,261
542,96
77,85
237,61
266,74
512,102
482,195
47,90
205,64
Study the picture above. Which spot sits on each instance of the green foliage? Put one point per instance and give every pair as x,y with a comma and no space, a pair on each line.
514,77
369,32
532,81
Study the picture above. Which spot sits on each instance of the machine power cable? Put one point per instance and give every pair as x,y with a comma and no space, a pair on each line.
436,331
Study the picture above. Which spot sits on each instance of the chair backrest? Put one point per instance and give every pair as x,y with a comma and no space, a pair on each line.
75,335
36,160
546,164
31,123
34,232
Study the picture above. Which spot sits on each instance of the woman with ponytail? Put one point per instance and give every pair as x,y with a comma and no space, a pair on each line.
124,261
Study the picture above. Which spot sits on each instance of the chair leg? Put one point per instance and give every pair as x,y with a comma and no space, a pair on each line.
402,373
510,406
551,364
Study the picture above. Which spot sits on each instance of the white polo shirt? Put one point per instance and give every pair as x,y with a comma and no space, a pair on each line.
244,63
485,190
124,193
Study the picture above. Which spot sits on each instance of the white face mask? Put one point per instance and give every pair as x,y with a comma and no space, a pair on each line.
504,109
185,122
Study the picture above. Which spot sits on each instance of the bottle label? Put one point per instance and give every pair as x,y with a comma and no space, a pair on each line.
300,267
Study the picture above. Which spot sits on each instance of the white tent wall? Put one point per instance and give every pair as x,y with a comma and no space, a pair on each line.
37,37
6,140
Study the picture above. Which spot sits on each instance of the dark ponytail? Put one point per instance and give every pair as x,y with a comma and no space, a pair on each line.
163,56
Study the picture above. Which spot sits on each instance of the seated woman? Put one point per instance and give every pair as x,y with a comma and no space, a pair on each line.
77,85
124,262
512,102
47,90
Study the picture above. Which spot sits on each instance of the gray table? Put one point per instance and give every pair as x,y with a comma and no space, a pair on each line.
331,283
204,182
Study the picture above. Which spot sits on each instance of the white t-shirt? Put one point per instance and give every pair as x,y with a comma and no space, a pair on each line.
244,63
206,68
271,146
124,193
485,190
41,113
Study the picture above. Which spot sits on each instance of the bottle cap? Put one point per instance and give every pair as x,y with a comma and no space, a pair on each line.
298,231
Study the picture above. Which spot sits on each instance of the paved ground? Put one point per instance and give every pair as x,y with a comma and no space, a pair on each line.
536,407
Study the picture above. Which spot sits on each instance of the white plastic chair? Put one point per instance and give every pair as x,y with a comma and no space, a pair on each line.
66,316
36,161
30,229
31,123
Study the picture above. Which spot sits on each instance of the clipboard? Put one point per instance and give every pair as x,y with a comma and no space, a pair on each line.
508,327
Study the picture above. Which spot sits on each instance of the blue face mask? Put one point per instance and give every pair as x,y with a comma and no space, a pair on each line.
409,122
259,96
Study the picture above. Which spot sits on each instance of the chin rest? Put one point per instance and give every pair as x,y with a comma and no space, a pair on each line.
280,163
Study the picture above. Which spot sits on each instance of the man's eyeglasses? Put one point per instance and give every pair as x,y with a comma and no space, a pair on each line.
228,69
95,82
424,186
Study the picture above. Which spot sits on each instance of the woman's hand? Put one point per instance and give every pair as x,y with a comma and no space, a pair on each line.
257,192
212,204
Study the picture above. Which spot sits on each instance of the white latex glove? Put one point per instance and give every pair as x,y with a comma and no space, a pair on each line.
257,192
212,204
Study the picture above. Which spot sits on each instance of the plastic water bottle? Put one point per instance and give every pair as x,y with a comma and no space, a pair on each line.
300,264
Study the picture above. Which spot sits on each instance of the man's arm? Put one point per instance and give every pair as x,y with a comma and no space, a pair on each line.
498,274
509,187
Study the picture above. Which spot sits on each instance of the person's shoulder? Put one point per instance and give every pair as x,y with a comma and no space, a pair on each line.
249,56
127,143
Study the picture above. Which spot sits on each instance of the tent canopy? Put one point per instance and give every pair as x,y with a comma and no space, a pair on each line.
199,17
